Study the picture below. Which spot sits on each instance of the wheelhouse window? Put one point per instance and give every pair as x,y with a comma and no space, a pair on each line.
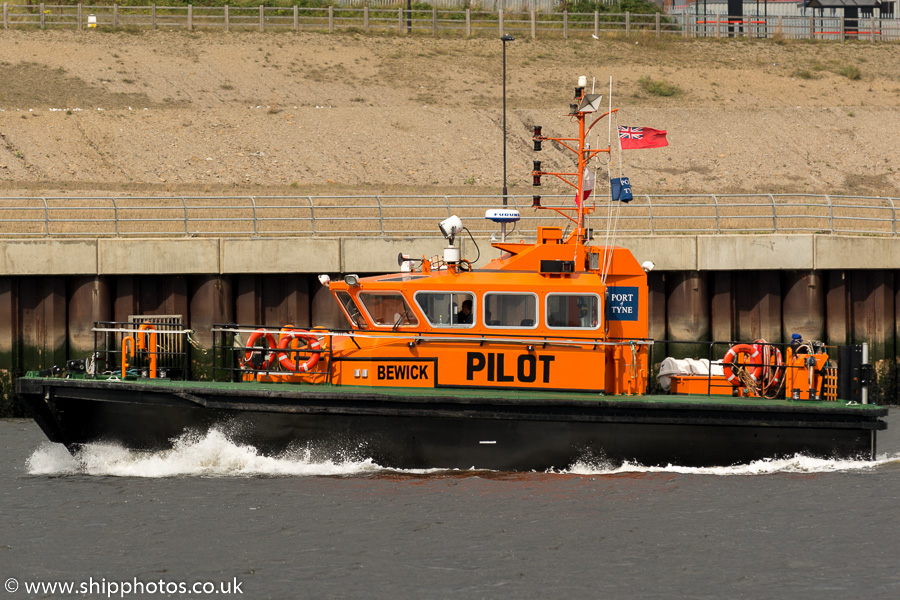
573,311
445,309
388,309
353,313
510,310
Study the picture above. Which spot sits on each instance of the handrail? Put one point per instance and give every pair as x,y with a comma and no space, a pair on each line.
716,201
893,216
184,207
312,215
415,216
830,213
774,214
46,216
115,214
539,18
421,336
380,215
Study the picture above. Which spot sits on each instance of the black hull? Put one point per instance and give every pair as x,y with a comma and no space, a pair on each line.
440,430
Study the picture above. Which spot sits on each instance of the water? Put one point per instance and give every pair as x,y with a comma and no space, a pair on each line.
211,511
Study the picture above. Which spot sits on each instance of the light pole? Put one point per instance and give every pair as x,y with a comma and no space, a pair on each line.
504,39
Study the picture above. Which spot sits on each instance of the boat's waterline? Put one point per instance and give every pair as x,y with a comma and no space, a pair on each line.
215,455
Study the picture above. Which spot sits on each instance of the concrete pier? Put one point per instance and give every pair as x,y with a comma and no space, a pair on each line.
185,256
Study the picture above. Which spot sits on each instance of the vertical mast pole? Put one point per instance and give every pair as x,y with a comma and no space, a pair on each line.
582,163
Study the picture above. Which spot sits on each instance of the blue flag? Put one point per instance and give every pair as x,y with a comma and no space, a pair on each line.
621,189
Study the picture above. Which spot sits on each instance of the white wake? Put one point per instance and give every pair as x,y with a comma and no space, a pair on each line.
215,455
210,455
795,464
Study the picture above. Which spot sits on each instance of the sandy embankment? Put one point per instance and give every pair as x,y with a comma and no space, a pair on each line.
215,113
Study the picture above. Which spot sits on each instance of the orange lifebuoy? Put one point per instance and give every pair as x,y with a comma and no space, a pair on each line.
755,357
312,344
269,360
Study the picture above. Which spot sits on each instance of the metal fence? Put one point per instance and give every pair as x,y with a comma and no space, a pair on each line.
524,19
797,27
401,216
453,22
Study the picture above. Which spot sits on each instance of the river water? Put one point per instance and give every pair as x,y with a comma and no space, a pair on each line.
227,520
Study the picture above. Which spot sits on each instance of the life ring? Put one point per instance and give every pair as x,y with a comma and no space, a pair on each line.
312,344
252,352
731,355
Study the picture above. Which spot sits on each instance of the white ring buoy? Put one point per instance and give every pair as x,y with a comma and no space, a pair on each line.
731,355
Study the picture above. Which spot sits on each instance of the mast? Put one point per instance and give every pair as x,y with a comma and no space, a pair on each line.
582,159
583,105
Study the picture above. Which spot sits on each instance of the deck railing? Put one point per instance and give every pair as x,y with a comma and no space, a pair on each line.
404,216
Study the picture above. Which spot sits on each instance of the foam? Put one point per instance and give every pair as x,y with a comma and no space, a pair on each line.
210,455
215,455
795,464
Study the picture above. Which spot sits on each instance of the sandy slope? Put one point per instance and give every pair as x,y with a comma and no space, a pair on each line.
203,113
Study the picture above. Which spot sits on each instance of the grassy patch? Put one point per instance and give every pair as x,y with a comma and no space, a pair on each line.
659,88
850,72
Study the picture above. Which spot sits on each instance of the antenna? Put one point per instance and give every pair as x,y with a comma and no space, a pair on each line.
502,216
583,105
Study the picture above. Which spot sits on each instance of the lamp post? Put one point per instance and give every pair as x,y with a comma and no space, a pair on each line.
504,39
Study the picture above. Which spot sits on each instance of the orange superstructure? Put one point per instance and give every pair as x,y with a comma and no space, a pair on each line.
539,316
558,314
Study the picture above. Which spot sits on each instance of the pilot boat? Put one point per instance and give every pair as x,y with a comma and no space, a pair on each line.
539,359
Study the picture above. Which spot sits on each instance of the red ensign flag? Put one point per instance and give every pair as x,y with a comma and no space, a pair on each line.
635,138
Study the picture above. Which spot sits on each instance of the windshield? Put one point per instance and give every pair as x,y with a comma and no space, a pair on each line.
388,309
353,313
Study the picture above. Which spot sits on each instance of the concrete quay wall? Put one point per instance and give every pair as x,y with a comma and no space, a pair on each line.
185,256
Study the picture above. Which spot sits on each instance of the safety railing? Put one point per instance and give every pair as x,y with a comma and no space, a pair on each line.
694,23
538,20
144,346
403,216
